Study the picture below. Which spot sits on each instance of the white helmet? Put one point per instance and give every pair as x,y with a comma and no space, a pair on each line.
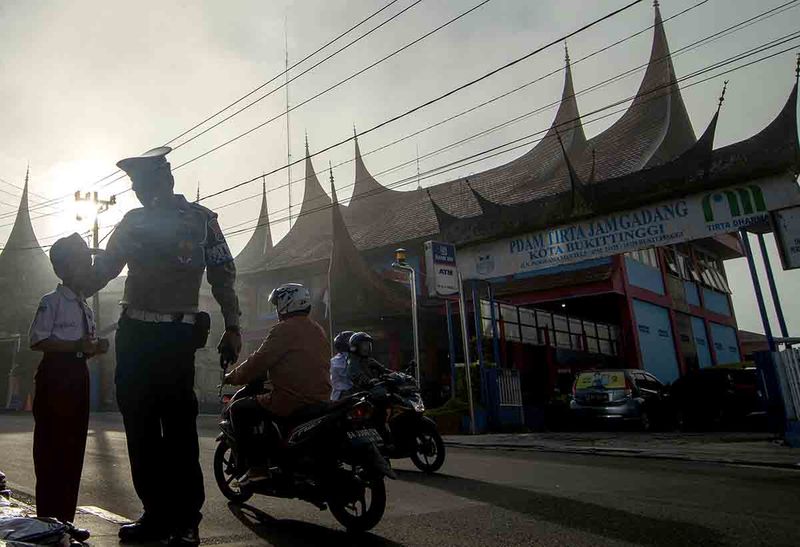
291,298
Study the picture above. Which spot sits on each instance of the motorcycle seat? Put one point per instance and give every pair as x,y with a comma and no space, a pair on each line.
309,412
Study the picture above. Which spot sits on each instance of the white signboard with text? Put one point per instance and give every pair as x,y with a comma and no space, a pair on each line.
442,272
786,223
684,219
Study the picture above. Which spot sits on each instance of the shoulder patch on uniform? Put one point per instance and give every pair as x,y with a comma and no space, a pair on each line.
218,254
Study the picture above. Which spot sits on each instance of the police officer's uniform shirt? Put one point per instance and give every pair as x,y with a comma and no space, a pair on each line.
166,250
62,315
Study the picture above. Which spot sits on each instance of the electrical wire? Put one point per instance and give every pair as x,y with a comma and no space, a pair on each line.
253,91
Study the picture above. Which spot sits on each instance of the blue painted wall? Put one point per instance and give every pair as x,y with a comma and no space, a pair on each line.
701,342
644,276
725,345
692,294
655,341
717,302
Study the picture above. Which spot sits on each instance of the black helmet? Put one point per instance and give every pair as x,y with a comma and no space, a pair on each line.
361,344
341,342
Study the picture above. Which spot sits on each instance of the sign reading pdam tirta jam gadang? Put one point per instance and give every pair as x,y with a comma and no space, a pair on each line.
682,219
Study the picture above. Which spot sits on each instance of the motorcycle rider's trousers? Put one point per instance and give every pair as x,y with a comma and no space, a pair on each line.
254,430
155,393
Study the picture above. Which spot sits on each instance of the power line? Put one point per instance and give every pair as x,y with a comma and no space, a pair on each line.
253,91
498,150
539,109
430,101
342,82
492,100
544,47
503,148
293,78
583,91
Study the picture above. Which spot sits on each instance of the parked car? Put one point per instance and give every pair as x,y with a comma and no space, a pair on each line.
719,397
624,395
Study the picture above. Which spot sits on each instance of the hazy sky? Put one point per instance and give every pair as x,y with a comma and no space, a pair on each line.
84,83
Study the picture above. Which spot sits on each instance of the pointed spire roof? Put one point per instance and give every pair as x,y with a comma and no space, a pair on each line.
355,291
260,244
25,270
656,127
369,198
533,172
309,238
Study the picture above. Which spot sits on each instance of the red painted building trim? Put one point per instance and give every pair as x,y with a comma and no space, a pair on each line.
632,346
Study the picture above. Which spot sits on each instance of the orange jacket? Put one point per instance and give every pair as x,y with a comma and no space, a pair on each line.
296,354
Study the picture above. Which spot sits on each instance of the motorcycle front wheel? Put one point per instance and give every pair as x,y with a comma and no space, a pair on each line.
364,510
429,451
225,474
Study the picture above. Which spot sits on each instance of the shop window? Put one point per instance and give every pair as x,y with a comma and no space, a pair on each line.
645,256
712,272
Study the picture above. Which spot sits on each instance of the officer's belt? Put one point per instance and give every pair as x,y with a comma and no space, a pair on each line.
156,317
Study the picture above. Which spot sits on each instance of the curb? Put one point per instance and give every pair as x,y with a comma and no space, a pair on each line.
623,452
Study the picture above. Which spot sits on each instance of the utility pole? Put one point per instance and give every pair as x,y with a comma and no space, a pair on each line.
99,206
288,138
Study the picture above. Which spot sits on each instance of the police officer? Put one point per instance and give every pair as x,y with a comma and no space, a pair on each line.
167,244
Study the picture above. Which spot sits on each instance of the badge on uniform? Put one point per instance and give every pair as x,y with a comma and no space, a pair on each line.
217,250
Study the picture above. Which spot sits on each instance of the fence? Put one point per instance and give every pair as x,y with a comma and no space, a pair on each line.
789,377
510,390
544,328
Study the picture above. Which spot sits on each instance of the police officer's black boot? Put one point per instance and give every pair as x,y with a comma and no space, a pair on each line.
185,536
142,531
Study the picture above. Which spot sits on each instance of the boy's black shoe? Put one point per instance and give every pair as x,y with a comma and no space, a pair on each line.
185,537
79,534
142,531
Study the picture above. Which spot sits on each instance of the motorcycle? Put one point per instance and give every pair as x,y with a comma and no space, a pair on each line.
327,455
399,418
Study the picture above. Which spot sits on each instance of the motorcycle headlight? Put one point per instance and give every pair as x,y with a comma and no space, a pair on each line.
417,404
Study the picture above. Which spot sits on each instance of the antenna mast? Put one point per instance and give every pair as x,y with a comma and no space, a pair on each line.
288,139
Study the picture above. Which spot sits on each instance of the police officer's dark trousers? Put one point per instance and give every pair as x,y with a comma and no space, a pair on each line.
155,393
61,412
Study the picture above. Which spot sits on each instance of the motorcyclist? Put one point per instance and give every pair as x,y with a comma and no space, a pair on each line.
340,381
362,368
295,355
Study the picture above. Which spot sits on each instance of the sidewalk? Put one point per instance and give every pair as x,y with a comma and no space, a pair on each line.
727,448
103,526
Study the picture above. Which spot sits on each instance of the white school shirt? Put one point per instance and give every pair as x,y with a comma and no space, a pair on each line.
340,380
63,315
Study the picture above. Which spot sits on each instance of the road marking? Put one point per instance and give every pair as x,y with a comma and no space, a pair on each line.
103,514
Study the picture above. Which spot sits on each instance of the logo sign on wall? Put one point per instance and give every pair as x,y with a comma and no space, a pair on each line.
440,263
786,223
665,223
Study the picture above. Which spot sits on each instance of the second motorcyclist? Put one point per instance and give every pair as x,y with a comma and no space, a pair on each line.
362,368
295,355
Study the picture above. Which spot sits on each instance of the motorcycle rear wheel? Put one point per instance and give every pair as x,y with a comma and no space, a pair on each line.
371,510
429,451
225,474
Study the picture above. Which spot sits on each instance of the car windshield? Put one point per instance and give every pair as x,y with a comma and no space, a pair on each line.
606,379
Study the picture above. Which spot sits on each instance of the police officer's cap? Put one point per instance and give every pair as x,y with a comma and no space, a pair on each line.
146,163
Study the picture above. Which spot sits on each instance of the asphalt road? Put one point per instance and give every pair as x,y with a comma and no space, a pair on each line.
482,497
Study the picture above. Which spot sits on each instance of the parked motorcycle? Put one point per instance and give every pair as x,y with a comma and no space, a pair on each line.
327,455
399,418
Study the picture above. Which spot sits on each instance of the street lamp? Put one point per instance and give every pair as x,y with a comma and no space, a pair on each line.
400,264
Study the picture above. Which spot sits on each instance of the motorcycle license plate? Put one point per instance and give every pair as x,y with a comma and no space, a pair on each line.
364,436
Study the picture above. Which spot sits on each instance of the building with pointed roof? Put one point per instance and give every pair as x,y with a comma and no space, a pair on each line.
253,255
664,309
25,276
